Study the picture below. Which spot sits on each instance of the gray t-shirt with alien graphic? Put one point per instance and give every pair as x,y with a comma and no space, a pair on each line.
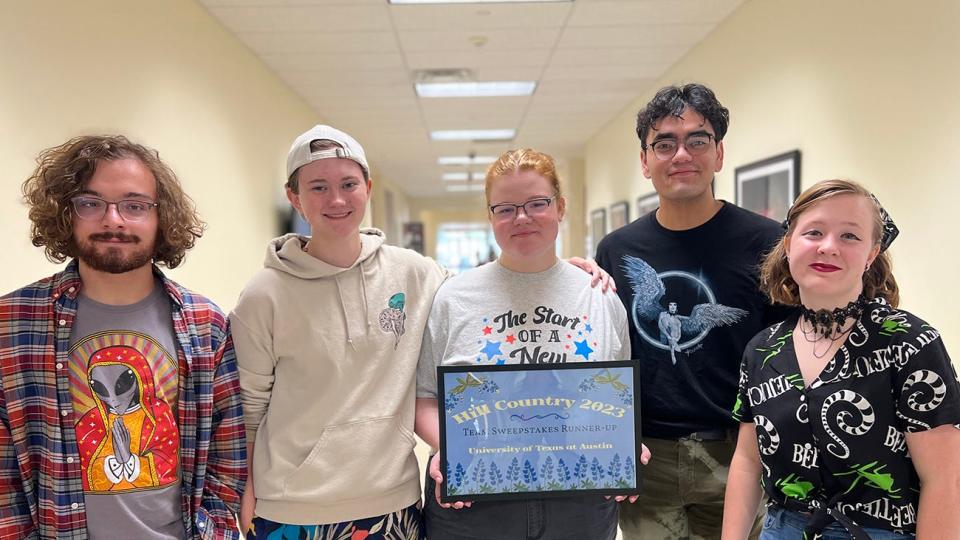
124,381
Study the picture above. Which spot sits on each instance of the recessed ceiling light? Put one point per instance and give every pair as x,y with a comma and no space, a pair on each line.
465,160
469,1
473,135
475,89
462,176
465,187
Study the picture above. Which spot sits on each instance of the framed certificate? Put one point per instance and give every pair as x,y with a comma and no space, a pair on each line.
539,430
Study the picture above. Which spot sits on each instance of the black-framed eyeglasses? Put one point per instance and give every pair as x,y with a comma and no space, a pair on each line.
90,207
696,144
533,207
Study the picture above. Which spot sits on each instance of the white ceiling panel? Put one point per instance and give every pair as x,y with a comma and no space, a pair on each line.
635,12
460,39
355,62
663,56
348,79
478,58
480,16
332,62
299,18
602,73
588,37
265,43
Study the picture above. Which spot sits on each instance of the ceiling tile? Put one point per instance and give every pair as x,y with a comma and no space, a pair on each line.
480,16
299,18
637,12
460,39
305,42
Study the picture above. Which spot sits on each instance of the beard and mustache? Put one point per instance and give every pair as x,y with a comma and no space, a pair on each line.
111,259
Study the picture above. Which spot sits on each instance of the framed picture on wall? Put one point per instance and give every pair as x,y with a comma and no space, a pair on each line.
619,215
647,203
598,229
769,186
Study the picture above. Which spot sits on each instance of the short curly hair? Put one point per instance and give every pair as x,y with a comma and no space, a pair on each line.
672,100
62,173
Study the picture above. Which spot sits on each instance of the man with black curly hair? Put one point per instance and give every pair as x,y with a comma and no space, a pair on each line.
119,403
691,263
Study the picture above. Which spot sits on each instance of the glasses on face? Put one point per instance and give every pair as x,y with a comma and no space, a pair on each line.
89,207
533,207
696,144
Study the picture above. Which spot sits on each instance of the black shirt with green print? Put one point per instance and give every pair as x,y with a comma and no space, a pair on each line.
842,439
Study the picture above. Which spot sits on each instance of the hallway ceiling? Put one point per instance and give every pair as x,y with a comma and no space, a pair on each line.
355,62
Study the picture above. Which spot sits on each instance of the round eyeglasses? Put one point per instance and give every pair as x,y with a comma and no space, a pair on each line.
696,144
533,207
89,207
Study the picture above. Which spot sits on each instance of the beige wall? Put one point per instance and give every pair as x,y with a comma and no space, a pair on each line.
168,75
865,90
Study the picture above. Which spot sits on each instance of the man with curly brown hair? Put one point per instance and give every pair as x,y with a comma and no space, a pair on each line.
120,407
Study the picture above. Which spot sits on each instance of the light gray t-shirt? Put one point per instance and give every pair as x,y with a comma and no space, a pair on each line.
124,381
492,315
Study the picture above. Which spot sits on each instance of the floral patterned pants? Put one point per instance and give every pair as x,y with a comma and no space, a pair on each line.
403,524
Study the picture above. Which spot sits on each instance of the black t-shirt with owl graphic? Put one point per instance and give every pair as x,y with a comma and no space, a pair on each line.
841,442
694,302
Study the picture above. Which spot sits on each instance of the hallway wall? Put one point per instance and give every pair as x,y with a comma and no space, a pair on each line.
863,89
167,75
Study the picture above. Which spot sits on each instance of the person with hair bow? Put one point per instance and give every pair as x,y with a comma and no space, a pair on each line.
850,409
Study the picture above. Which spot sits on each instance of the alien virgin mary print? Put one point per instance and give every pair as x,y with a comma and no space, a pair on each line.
122,385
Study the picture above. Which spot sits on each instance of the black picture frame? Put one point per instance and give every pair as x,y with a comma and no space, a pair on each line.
619,215
646,204
633,421
769,186
598,229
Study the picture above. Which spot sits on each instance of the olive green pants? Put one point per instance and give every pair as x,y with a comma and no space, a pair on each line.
683,489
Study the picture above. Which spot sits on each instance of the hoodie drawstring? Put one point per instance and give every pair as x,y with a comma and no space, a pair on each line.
363,291
343,308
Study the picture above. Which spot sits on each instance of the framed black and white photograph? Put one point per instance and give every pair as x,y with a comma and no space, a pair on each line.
598,229
619,215
647,203
769,186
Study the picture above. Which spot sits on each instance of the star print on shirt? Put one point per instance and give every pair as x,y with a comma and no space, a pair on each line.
487,330
583,349
491,349
511,338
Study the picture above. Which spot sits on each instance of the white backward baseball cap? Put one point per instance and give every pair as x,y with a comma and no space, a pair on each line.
301,155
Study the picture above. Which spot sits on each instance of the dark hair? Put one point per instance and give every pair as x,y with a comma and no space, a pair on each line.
671,101
62,173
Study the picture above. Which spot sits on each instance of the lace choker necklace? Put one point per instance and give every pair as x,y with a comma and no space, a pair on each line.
828,323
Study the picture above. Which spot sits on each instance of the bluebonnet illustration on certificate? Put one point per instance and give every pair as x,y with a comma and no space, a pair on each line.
514,431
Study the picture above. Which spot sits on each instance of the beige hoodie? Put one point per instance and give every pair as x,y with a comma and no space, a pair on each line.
328,360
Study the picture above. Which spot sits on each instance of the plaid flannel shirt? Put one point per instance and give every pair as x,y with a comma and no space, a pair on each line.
41,495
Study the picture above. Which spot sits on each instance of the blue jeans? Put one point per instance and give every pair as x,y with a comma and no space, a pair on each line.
782,524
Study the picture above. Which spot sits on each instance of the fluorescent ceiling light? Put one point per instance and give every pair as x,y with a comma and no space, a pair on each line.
470,1
475,89
465,160
463,176
474,135
465,187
